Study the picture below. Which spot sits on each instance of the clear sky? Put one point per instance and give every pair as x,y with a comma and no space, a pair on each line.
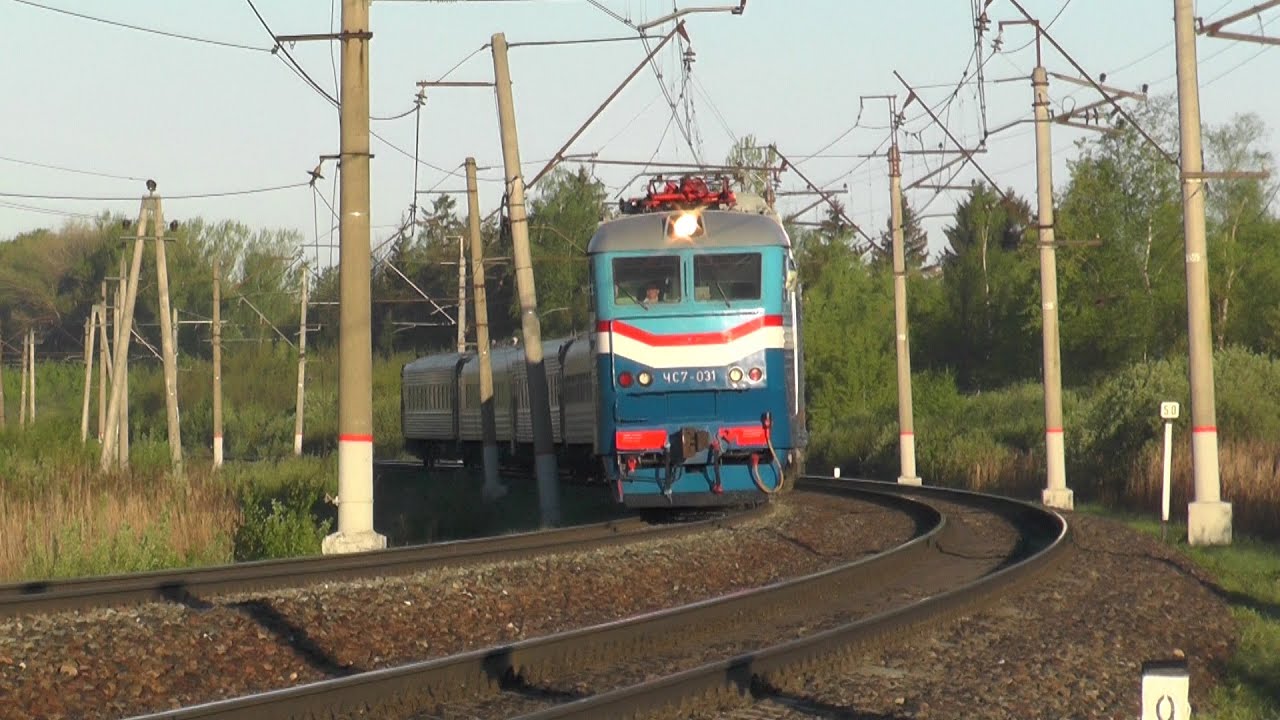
203,118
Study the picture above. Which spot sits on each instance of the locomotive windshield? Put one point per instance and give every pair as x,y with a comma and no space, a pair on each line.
646,280
734,276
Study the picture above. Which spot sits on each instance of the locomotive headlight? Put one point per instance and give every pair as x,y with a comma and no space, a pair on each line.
735,374
644,378
685,225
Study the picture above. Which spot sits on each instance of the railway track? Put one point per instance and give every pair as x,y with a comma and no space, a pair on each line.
785,628
196,584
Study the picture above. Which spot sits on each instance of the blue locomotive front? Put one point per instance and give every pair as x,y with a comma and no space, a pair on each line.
697,352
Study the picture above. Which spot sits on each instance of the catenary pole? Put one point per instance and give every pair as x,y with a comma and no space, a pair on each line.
1208,518
539,402
1056,493
462,295
355,352
906,422
217,363
299,406
493,487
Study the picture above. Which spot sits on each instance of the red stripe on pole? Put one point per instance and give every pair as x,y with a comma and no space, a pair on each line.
355,438
1054,430
904,434
1205,429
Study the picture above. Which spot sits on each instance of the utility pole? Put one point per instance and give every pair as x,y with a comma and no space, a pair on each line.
32,365
1056,493
89,325
217,362
302,368
355,355
117,422
22,387
104,364
906,422
493,487
167,344
462,296
539,403
1208,518
2,408
122,289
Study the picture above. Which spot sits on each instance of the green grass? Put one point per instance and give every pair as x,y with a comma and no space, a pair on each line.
1248,572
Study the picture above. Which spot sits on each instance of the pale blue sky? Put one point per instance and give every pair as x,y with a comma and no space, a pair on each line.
202,118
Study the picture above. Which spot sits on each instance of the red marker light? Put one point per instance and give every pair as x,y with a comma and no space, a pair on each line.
755,374
624,379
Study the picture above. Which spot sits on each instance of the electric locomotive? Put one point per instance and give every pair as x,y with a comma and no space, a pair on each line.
689,388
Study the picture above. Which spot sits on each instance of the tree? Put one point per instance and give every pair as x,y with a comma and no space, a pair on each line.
1243,253
1121,277
747,156
915,241
562,219
985,328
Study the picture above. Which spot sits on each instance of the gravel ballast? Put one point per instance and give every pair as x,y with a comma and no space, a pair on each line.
1071,646
118,662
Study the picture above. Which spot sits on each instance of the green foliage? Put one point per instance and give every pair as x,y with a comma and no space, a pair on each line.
283,503
746,157
76,554
562,219
1121,417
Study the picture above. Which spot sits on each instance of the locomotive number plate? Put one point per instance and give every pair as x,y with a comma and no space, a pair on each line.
676,377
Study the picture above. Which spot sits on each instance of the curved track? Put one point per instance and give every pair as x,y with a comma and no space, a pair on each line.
185,585
578,673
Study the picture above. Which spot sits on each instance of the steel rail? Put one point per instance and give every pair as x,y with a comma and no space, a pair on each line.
196,584
446,679
759,670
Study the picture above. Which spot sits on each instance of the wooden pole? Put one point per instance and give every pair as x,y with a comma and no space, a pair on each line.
88,373
122,423
117,422
2,409
302,368
217,363
22,394
167,346
104,363
32,332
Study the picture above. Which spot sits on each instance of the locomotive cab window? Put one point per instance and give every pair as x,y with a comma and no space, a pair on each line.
726,277
646,280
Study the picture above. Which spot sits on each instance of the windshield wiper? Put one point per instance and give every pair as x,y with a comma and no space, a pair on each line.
722,293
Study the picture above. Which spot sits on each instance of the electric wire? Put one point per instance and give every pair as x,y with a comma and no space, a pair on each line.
139,28
189,196
289,61
70,170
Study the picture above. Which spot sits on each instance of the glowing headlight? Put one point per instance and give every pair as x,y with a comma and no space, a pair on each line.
735,374
685,225
644,378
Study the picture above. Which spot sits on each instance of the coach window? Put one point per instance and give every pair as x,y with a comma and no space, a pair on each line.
726,277
646,280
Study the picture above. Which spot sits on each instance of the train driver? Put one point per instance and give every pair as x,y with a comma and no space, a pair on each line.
651,294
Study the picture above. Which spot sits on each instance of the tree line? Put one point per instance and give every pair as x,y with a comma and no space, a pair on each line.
974,308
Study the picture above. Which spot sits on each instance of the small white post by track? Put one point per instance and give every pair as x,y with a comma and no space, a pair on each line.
1169,412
